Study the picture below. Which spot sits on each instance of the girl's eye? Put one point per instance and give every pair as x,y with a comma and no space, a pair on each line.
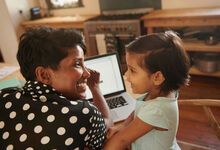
132,70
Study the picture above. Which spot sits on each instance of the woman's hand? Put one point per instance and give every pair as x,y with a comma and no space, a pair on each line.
93,80
98,99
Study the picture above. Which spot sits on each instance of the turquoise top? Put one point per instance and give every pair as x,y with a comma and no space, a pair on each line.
160,112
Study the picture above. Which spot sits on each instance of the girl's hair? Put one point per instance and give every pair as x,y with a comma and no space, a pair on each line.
165,53
46,47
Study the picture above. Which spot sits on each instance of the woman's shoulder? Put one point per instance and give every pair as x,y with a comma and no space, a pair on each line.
84,108
82,103
9,91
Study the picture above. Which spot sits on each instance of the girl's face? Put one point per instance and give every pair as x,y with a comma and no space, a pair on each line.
71,77
140,79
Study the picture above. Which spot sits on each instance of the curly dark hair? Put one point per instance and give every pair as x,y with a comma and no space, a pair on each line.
46,47
165,53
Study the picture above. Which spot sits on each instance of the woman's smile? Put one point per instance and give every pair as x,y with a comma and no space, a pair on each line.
81,86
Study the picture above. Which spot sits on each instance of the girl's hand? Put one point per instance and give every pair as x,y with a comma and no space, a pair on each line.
93,80
111,131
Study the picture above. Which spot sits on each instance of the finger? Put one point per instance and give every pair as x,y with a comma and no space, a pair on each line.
90,70
94,71
108,135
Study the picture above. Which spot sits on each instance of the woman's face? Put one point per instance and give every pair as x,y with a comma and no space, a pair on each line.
71,77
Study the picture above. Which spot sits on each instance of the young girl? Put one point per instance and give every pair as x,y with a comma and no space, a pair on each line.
157,66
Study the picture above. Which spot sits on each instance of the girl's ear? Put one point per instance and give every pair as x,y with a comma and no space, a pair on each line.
158,78
43,75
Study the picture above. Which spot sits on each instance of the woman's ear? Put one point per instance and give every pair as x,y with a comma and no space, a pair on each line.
158,78
43,75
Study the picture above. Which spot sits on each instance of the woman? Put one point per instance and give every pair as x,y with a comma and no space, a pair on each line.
50,112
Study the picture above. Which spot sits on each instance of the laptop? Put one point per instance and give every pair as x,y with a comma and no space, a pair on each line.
112,85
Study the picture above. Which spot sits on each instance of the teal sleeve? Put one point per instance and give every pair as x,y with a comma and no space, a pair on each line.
153,115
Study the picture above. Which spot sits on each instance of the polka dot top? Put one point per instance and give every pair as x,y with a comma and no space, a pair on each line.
37,117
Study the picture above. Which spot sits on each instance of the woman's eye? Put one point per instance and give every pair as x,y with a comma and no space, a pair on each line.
77,64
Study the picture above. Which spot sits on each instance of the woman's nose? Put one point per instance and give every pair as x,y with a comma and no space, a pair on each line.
86,72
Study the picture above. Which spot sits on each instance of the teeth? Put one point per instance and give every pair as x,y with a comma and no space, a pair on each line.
82,84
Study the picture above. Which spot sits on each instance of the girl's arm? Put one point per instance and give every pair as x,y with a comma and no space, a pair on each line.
127,135
117,128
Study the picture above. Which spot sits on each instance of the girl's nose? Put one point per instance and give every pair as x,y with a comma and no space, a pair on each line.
126,75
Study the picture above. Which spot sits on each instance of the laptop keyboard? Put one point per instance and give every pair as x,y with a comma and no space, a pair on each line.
116,102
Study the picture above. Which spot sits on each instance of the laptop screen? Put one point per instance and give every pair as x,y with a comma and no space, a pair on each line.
111,80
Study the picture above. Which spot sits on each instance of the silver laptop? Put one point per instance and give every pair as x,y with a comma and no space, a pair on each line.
112,85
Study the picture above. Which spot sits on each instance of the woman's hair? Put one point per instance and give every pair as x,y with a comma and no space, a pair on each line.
165,53
46,47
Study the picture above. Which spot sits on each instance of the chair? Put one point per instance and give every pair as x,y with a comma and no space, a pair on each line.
206,104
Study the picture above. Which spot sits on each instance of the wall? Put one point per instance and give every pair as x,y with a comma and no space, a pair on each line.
172,4
10,29
90,7
19,11
8,39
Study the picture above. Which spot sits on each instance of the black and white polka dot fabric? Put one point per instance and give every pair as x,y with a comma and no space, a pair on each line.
37,117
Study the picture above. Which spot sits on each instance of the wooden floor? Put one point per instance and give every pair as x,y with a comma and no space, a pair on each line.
193,126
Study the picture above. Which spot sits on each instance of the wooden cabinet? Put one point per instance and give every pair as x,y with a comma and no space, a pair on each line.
186,18
61,22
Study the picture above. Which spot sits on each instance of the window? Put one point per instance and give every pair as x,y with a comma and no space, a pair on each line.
56,4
